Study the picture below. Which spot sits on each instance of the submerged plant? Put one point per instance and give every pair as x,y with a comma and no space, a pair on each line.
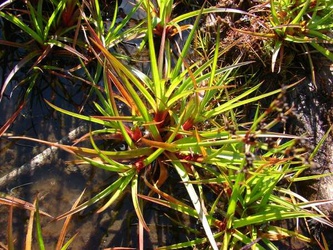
39,32
185,117
45,51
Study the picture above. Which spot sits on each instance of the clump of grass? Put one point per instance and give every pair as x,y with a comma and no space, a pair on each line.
300,25
44,45
185,116
44,31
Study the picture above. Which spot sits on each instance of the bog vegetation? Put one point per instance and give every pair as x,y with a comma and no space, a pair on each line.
178,89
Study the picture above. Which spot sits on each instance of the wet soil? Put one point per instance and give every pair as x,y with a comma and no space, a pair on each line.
312,118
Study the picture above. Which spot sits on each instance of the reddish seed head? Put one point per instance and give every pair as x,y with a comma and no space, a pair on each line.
139,165
136,135
188,124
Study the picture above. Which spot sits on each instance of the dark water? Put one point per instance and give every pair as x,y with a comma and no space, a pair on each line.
58,184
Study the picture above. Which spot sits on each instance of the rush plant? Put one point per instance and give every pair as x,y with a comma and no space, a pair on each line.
186,117
304,22
43,31
300,25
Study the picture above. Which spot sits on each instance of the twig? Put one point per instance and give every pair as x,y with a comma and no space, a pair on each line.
42,158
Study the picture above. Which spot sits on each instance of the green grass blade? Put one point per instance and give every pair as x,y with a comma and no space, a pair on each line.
197,13
69,242
68,48
194,198
17,67
118,167
271,216
36,18
98,19
39,228
115,33
125,181
189,244
24,27
320,143
324,51
152,56
53,18
136,203
303,12
101,195
79,116
186,47
246,240
275,18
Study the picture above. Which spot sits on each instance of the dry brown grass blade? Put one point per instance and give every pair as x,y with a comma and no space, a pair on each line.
14,44
28,238
15,202
121,88
44,54
156,144
325,247
10,229
164,174
159,192
64,229
3,246
141,235
202,149
86,152
9,122
261,35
